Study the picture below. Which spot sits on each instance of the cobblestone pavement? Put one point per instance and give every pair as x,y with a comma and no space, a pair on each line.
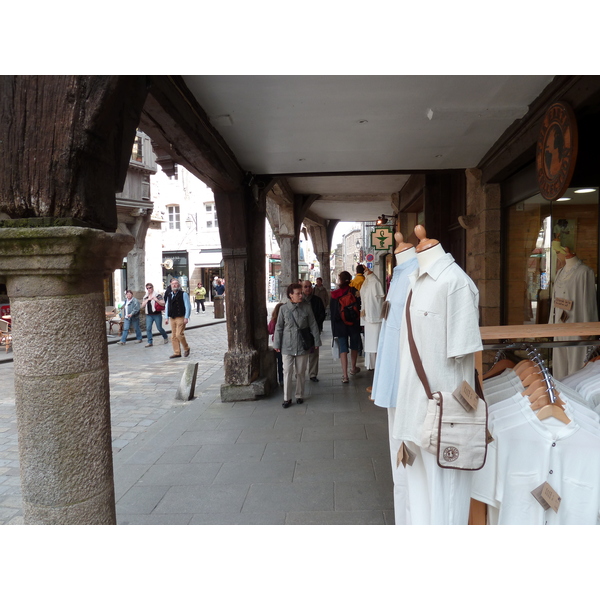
143,382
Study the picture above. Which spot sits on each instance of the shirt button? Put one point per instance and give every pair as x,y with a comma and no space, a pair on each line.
553,444
425,313
551,471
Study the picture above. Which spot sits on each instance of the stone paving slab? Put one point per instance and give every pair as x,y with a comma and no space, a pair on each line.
206,462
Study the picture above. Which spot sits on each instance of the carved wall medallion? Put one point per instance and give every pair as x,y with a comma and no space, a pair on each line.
556,152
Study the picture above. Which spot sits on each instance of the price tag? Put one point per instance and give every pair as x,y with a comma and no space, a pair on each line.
466,396
563,303
405,456
547,496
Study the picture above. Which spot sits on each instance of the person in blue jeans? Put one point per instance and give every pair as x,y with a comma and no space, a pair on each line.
153,304
131,312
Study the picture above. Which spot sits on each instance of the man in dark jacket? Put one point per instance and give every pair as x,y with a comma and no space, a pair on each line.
318,309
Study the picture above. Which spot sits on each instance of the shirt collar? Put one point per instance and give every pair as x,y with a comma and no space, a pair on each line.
434,270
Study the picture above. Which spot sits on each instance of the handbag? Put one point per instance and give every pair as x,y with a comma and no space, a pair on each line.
335,349
453,430
308,339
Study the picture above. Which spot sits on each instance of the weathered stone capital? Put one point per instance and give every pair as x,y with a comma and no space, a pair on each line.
73,255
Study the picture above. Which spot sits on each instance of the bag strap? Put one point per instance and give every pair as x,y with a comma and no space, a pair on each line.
417,359
294,319
414,352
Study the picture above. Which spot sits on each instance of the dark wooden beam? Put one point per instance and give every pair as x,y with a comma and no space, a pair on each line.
516,147
177,123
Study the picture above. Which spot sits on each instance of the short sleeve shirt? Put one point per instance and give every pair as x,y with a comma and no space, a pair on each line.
445,322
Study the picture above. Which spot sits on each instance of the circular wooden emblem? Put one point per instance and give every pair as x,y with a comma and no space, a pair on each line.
556,152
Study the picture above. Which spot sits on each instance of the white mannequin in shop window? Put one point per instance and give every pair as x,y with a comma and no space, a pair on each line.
445,321
573,301
371,296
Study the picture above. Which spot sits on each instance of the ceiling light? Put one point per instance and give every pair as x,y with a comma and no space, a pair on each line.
585,190
563,199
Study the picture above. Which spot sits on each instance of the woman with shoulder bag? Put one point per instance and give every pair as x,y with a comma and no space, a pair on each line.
295,323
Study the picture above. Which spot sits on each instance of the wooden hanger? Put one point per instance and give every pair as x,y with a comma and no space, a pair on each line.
522,365
532,378
425,243
498,368
553,410
402,245
536,385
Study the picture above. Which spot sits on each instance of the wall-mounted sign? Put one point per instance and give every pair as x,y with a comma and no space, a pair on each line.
556,152
382,238
370,258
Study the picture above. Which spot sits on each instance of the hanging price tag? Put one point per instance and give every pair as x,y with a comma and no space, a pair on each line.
466,396
563,303
547,496
405,456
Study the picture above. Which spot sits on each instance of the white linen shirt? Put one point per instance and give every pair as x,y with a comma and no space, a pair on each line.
445,324
528,453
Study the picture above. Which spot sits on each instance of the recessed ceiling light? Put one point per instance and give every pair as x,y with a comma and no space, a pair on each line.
585,190
563,199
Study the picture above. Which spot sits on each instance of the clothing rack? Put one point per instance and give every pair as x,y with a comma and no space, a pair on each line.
478,513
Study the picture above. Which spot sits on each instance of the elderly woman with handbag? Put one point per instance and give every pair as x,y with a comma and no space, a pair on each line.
296,333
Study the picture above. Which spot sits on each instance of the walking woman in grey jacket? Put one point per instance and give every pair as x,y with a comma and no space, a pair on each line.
293,316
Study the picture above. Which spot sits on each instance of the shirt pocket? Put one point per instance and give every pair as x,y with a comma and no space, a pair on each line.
518,506
579,501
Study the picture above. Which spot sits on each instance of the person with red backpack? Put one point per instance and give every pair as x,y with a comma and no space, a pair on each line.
345,323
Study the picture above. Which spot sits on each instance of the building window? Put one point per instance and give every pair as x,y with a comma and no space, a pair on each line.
209,208
173,217
209,224
136,153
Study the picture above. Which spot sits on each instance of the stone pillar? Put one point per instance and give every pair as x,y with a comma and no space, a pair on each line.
324,262
288,246
54,277
482,223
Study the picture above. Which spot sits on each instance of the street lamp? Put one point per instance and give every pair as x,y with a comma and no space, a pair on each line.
191,219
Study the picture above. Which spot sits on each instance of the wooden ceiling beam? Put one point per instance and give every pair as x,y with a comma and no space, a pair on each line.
178,124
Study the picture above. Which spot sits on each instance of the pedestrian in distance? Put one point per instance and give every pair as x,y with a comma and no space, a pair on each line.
345,323
294,315
359,278
318,309
153,305
177,310
131,312
271,330
320,291
199,297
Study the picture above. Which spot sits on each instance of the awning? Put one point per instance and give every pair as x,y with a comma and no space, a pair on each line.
208,259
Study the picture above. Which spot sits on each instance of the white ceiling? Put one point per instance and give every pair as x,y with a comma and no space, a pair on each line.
343,124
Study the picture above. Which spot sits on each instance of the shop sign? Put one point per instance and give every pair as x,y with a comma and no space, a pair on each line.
382,238
556,152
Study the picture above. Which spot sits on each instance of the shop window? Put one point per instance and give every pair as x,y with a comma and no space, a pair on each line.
174,221
538,235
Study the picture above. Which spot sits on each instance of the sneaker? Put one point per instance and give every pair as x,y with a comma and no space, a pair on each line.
175,356
186,353
314,379
166,341
121,343
299,401
138,341
149,345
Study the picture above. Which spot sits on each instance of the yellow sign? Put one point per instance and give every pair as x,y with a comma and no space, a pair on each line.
382,238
